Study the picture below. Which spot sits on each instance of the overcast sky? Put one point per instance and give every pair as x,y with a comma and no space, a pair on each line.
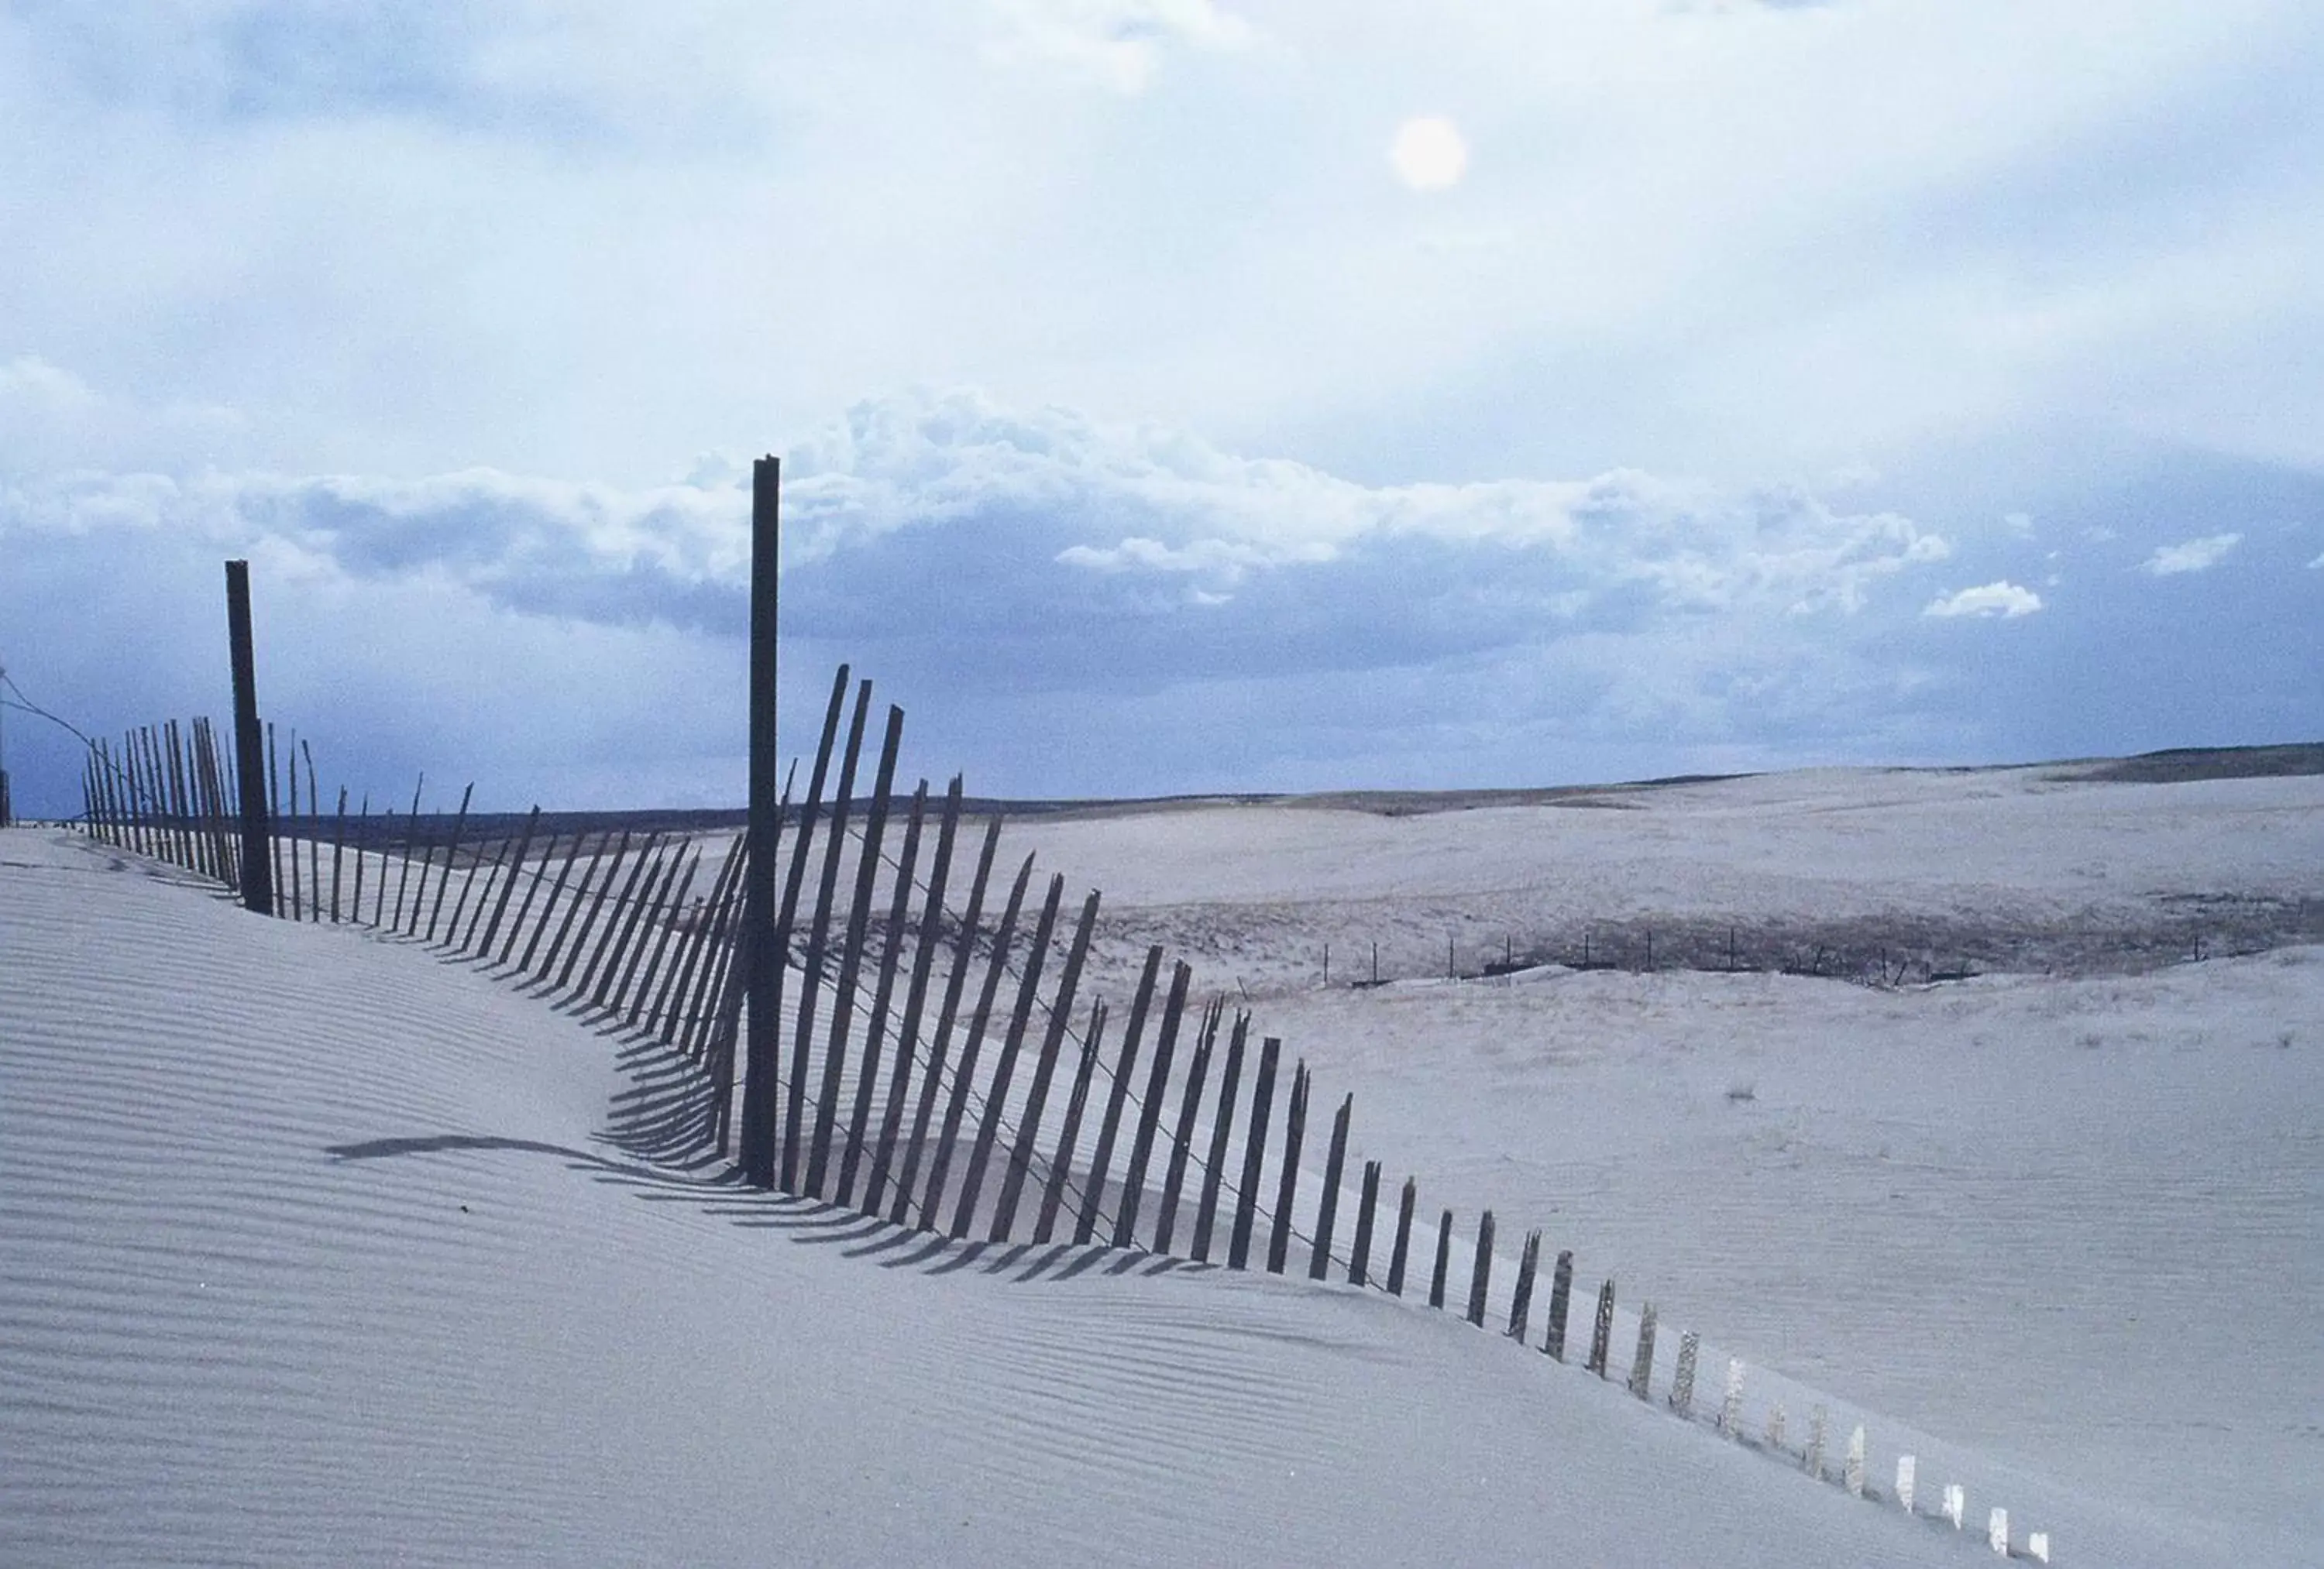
1173,395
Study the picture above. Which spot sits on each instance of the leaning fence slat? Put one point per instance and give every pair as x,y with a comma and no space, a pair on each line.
572,906
1642,1362
916,995
338,852
410,832
1076,1104
621,922
1295,1133
660,1020
1443,1260
666,928
1521,1300
652,938
1149,1110
834,850
1254,1155
314,837
1560,1296
1206,1213
972,1047
1402,1250
963,956
1022,1153
520,922
875,1027
850,958
1480,1276
363,836
1181,1144
672,1015
1335,1167
482,948
603,875
1004,1067
1360,1255
1601,1332
1110,1126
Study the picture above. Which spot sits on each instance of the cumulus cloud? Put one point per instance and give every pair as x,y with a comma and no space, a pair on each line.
2317,565
2193,555
2003,598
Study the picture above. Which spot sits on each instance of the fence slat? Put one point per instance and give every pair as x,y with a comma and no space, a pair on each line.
678,1013
1480,1276
1045,1068
314,837
523,921
851,957
1254,1155
583,898
972,1047
1443,1260
1149,1111
1601,1332
484,949
819,939
932,1081
653,942
1642,1362
1295,1133
1521,1300
1004,1067
924,956
1110,1126
1222,1114
1560,1295
1360,1256
1335,1166
1068,1138
875,1028
618,918
1182,1142
410,832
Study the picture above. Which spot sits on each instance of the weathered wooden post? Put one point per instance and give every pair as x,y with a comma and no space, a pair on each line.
1207,1211
1851,1474
1773,1437
1400,1250
1642,1365
1295,1132
1004,1066
1731,1419
1481,1275
1262,1099
875,1029
1360,1256
1601,1333
1181,1141
940,1039
1335,1166
916,997
1561,1297
1681,1395
1907,1470
850,965
1443,1260
257,860
1061,1166
972,1047
1521,1300
1956,1504
794,1134
1996,1530
1812,1462
762,961
1149,1111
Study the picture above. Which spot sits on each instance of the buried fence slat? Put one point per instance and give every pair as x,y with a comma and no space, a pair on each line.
1521,1300
1045,1068
469,891
1731,1419
1360,1256
419,893
818,940
1443,1260
1955,1504
659,1019
1996,1530
1077,1104
290,818
924,956
672,1017
363,835
850,958
273,814
972,1048
1812,1462
875,1028
1182,1143
1207,1211
219,813
1771,1438
1254,1153
1004,1067
963,954
621,922
1110,1126
378,894
484,949
507,862
1681,1395
1149,1110
1851,1472
1401,1252
1907,1469
1295,1133
1560,1299
703,1005
1480,1277
1601,1332
1642,1362
1335,1167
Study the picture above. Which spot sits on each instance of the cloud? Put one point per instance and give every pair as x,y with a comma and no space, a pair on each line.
1117,43
2193,555
1428,153
2317,565
2003,598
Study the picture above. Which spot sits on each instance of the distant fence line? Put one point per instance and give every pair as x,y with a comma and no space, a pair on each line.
959,1104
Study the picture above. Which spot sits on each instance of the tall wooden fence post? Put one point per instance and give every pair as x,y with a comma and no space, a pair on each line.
249,747
763,963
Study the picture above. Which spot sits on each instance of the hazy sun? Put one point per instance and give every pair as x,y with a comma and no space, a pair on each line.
1428,153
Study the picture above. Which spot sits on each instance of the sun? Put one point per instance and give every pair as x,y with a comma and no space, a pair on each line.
1428,153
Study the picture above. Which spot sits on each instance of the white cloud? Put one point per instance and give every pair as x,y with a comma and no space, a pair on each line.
1428,153
2317,565
2193,555
2003,598
1117,43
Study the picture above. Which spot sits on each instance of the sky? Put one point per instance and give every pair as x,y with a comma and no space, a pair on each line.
1171,395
